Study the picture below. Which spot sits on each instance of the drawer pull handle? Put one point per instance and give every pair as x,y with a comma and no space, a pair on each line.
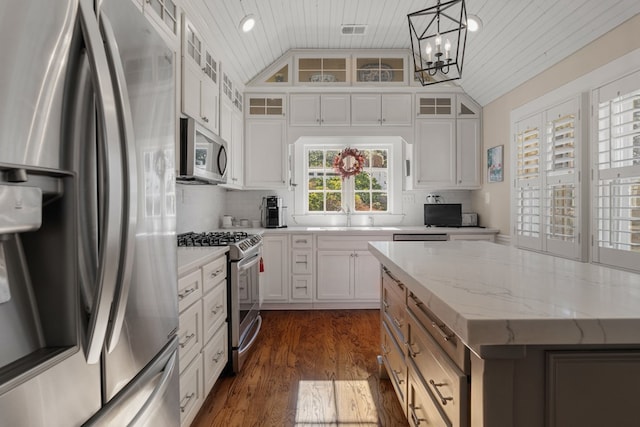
186,400
301,287
385,350
435,386
215,273
184,294
301,241
397,322
189,338
414,416
410,350
445,336
385,305
217,356
216,309
396,377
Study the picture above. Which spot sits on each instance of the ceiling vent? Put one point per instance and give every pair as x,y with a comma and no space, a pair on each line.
353,29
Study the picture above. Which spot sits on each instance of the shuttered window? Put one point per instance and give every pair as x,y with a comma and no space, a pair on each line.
617,195
548,190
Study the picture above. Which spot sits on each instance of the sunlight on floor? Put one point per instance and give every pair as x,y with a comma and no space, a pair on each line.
335,403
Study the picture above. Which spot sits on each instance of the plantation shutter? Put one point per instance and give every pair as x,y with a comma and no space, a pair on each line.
528,183
618,173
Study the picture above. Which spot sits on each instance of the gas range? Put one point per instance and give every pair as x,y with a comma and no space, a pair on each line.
240,243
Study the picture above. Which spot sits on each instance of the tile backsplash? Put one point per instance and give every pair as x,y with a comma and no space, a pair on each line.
201,207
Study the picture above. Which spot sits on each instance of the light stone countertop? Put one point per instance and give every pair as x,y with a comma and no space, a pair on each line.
491,294
189,258
382,230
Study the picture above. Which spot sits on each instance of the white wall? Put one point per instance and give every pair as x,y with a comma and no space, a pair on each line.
492,202
199,207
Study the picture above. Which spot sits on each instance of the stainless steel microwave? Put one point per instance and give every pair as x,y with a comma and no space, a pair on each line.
203,155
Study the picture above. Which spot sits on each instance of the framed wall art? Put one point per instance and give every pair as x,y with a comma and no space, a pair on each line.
495,172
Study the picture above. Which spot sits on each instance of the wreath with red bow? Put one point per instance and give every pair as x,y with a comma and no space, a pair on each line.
349,162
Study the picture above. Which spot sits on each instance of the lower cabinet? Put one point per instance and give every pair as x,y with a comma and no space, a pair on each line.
346,271
202,333
275,280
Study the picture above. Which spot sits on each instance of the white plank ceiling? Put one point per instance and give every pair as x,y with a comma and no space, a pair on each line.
520,38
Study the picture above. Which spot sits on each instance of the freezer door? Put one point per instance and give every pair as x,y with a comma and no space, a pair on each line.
64,395
151,399
147,318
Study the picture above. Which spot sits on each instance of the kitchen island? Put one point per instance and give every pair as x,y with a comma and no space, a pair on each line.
547,341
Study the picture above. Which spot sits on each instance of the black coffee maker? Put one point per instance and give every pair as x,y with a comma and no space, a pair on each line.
273,212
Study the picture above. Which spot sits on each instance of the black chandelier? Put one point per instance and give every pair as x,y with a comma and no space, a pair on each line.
438,37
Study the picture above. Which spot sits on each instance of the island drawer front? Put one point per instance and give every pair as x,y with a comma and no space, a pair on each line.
189,289
215,310
302,241
447,340
214,273
421,407
446,382
393,358
393,306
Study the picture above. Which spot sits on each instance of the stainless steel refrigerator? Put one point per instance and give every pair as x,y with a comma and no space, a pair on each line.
88,294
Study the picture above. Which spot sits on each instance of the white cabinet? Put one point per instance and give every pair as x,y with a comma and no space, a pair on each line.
319,110
335,275
468,153
232,131
200,86
346,271
265,159
447,143
434,153
263,106
393,109
163,14
275,279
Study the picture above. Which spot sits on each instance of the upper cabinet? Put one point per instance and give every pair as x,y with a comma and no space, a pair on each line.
447,142
322,70
387,109
380,70
319,110
164,13
365,67
200,78
265,106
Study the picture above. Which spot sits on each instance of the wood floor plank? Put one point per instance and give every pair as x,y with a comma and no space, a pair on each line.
308,368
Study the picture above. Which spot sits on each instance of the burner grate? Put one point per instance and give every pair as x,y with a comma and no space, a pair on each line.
217,238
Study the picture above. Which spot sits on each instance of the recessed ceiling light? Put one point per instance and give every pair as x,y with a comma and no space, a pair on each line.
247,23
474,23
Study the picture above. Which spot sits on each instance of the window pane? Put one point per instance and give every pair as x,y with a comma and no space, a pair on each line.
363,201
362,181
316,203
331,155
315,183
379,158
379,202
334,182
379,181
315,159
334,202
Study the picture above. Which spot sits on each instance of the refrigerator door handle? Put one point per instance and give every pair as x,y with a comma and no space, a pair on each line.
130,177
157,394
109,250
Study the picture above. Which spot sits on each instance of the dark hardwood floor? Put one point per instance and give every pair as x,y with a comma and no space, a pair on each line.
308,368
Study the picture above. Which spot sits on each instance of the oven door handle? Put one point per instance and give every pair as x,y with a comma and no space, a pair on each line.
246,346
247,263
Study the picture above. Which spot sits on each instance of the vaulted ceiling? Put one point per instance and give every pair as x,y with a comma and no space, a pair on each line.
520,38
